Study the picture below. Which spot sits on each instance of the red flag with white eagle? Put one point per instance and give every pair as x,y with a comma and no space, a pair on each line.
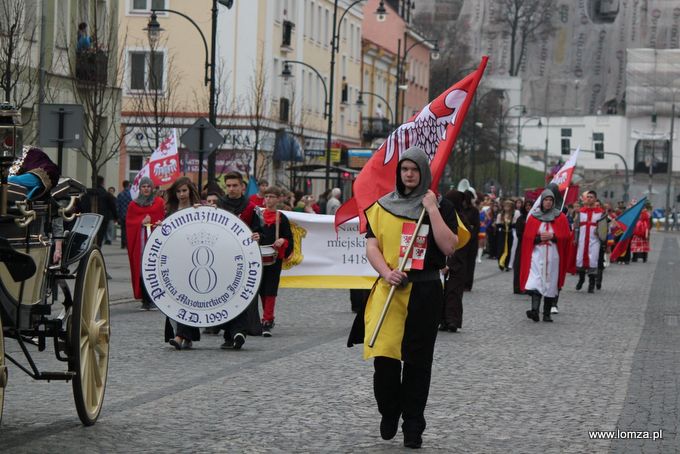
562,178
434,129
162,167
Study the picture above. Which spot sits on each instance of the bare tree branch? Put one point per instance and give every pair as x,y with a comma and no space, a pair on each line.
94,71
526,20
18,36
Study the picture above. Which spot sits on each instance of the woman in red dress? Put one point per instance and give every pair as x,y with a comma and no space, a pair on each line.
145,211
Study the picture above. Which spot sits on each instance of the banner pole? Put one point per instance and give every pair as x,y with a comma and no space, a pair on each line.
564,200
402,265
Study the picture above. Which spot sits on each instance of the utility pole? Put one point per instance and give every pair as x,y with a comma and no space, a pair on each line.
669,180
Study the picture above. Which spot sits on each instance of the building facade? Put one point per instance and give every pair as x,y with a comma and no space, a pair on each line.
42,63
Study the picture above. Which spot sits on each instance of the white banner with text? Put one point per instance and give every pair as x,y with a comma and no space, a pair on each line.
323,259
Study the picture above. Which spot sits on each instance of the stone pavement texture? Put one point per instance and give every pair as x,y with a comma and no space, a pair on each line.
501,384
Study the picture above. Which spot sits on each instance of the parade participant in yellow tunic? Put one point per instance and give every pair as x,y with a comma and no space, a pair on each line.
410,328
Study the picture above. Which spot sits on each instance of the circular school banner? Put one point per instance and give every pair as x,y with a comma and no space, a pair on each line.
201,266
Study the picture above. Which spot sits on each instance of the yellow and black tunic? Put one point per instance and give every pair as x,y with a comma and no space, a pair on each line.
410,327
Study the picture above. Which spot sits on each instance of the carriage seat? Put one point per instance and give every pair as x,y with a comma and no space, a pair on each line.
22,265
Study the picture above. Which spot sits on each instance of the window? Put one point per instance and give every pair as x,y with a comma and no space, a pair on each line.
317,25
287,33
135,163
284,107
276,85
598,145
326,30
351,41
146,70
651,156
344,98
147,5
566,141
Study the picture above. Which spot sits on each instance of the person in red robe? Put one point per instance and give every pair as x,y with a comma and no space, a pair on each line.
543,264
639,246
146,210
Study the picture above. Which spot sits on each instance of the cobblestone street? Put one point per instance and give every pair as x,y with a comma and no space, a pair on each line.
502,384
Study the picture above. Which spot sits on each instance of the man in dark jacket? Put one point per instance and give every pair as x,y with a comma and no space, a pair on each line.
237,203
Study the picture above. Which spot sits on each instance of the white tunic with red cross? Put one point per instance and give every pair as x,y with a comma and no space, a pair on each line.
588,250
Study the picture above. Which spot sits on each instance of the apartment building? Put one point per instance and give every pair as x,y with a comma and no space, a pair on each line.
42,63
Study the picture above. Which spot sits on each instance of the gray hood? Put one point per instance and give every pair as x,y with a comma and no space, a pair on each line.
545,216
148,200
409,205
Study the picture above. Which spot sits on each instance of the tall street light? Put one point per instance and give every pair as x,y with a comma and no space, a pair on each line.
501,122
401,62
519,146
335,47
286,73
477,101
154,28
360,102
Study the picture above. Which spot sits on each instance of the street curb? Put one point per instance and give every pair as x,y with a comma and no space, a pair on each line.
123,301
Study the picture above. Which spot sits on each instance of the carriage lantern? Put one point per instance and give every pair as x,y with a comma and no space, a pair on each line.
10,133
10,146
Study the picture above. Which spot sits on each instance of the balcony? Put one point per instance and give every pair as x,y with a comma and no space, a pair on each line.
92,66
375,128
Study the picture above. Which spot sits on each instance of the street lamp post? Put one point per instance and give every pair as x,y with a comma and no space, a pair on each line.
626,172
501,121
401,61
360,102
669,181
154,28
473,169
519,145
287,74
335,47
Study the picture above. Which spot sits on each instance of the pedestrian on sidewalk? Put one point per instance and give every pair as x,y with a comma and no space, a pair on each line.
409,331
544,251
142,215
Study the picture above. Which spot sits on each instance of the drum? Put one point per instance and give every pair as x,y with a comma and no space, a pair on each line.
269,255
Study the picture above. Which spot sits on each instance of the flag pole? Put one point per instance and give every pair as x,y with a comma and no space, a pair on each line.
564,200
402,265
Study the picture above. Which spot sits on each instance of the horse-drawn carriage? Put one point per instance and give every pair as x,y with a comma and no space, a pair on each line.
30,284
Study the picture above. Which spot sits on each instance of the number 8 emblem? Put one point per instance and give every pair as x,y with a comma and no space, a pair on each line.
202,277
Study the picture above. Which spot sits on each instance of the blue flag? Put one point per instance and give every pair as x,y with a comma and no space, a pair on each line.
252,187
626,223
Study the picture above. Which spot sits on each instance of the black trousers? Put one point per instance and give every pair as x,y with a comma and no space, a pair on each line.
454,287
402,391
242,323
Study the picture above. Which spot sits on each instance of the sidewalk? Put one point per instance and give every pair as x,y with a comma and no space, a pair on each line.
118,267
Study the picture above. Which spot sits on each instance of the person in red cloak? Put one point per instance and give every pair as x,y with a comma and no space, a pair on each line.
543,264
639,246
146,210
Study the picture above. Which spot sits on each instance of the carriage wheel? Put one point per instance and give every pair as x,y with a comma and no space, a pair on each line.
89,337
3,371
